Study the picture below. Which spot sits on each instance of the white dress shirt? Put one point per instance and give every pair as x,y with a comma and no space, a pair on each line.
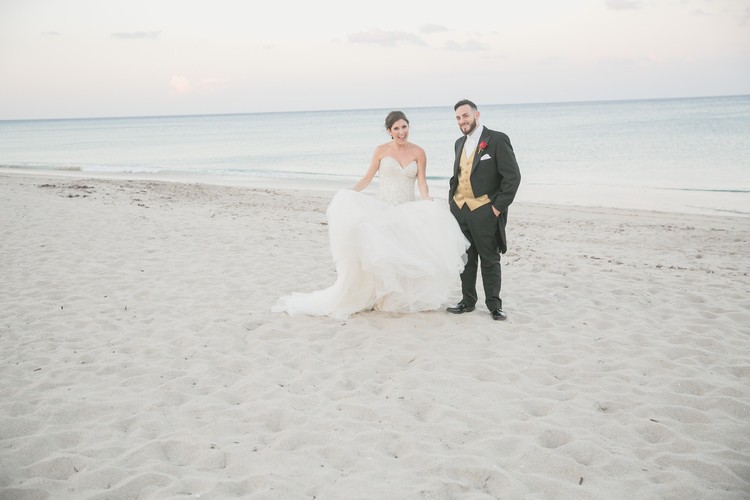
472,140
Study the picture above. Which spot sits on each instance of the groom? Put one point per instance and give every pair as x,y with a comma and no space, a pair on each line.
485,180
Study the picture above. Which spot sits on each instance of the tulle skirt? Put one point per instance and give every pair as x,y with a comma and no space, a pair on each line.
398,258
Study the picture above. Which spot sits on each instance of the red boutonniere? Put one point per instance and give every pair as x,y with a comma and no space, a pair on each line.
482,146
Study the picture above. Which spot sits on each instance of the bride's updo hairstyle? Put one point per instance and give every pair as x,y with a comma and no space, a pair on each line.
393,117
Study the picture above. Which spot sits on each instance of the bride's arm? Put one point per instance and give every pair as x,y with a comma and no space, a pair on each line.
422,175
371,171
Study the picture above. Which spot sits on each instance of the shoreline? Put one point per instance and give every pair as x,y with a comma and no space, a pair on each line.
709,202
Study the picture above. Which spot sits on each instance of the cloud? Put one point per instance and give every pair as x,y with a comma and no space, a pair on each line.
432,28
616,62
212,84
385,38
136,34
467,46
180,84
212,81
623,4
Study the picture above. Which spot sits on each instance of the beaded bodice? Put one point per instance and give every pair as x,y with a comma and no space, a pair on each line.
396,182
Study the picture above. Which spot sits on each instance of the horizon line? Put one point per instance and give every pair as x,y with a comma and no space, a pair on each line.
239,113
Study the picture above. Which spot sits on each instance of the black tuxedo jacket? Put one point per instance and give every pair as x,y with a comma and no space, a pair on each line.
494,173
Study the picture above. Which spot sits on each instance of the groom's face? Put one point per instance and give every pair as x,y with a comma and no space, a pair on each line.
466,118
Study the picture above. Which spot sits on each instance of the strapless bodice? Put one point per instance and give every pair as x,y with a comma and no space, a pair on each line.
396,182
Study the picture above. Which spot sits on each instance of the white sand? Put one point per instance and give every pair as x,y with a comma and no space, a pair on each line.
140,359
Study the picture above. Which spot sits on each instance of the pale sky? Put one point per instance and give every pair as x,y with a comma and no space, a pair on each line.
87,58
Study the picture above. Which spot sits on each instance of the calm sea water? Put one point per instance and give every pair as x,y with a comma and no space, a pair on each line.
567,150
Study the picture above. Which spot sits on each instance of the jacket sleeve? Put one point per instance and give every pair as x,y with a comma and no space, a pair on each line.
510,175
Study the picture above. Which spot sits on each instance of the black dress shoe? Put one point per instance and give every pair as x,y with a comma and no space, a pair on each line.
460,308
498,315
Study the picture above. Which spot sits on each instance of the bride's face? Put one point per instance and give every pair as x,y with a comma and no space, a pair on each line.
400,131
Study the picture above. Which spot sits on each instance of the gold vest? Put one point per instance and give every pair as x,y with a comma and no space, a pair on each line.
464,193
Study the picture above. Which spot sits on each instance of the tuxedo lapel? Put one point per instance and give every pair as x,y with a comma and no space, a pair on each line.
485,137
459,151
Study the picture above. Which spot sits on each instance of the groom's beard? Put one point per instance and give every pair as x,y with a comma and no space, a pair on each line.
471,126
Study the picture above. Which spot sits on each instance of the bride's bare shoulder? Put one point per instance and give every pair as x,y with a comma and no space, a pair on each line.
382,150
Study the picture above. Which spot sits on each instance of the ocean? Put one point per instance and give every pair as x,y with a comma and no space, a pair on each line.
685,154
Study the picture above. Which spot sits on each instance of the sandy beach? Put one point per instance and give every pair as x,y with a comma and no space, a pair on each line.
140,358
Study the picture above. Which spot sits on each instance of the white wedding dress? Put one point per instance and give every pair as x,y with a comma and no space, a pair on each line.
392,253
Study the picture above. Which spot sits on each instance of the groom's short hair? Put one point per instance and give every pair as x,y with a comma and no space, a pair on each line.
464,102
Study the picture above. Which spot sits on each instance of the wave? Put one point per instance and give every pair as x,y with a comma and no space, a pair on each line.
78,168
42,167
291,174
705,190
169,171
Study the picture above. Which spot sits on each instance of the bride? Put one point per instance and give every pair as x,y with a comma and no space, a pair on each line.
392,252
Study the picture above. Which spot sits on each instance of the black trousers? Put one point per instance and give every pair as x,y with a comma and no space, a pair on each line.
481,229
